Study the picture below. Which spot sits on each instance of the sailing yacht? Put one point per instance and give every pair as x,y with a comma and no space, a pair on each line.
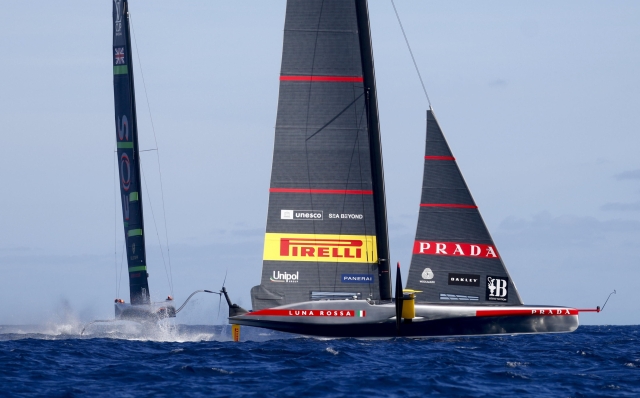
140,306
326,262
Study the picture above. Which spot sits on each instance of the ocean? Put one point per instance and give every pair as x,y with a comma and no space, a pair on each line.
114,360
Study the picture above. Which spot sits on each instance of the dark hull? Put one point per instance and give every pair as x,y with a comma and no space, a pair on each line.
144,313
439,327
359,318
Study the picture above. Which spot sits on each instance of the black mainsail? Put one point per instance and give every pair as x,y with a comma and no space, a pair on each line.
128,154
326,233
454,257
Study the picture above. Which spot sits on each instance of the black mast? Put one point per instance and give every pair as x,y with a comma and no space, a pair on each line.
129,155
380,207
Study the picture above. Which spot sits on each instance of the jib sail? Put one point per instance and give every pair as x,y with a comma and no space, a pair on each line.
326,234
454,258
128,154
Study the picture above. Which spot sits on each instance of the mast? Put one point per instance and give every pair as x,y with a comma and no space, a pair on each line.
380,207
128,154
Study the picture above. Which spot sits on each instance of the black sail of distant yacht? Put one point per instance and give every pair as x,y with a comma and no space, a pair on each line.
326,233
454,257
128,154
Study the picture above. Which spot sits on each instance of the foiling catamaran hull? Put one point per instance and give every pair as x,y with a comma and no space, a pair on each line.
144,312
359,318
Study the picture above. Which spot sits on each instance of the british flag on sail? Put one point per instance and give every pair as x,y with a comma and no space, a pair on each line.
119,56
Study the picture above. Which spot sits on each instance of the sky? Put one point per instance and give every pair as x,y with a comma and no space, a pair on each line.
538,101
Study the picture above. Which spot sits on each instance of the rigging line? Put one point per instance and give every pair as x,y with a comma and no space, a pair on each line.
346,187
411,52
335,117
155,224
115,223
155,138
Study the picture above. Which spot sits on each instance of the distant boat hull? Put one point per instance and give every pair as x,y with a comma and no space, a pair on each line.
144,312
358,318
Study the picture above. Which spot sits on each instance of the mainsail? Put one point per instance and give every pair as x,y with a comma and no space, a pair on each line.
454,258
326,234
128,154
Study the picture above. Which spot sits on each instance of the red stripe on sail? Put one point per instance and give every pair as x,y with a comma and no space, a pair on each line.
322,191
346,79
529,312
439,158
455,249
448,205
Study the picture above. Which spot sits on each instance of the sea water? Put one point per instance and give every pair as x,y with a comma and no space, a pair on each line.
127,359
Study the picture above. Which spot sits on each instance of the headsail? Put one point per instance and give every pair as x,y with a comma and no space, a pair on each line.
326,224
128,154
454,257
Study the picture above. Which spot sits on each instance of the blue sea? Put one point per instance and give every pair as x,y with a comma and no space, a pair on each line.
113,360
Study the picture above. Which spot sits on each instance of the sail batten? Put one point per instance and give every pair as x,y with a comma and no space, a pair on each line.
454,258
128,155
322,234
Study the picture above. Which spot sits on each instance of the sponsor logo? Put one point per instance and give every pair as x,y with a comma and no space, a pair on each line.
330,313
119,55
301,215
346,216
357,278
284,277
428,275
454,249
457,297
320,248
497,288
528,312
553,311
464,279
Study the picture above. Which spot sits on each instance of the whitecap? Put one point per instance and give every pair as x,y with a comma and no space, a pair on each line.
331,350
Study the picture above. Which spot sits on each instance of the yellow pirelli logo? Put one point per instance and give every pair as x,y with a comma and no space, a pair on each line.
314,247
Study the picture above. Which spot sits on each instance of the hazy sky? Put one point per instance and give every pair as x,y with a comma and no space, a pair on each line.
538,100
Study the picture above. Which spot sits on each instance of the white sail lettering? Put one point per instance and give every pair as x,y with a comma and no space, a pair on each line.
458,250
490,252
440,248
475,250
501,288
424,246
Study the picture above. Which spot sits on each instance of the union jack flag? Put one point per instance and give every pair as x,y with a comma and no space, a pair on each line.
119,55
